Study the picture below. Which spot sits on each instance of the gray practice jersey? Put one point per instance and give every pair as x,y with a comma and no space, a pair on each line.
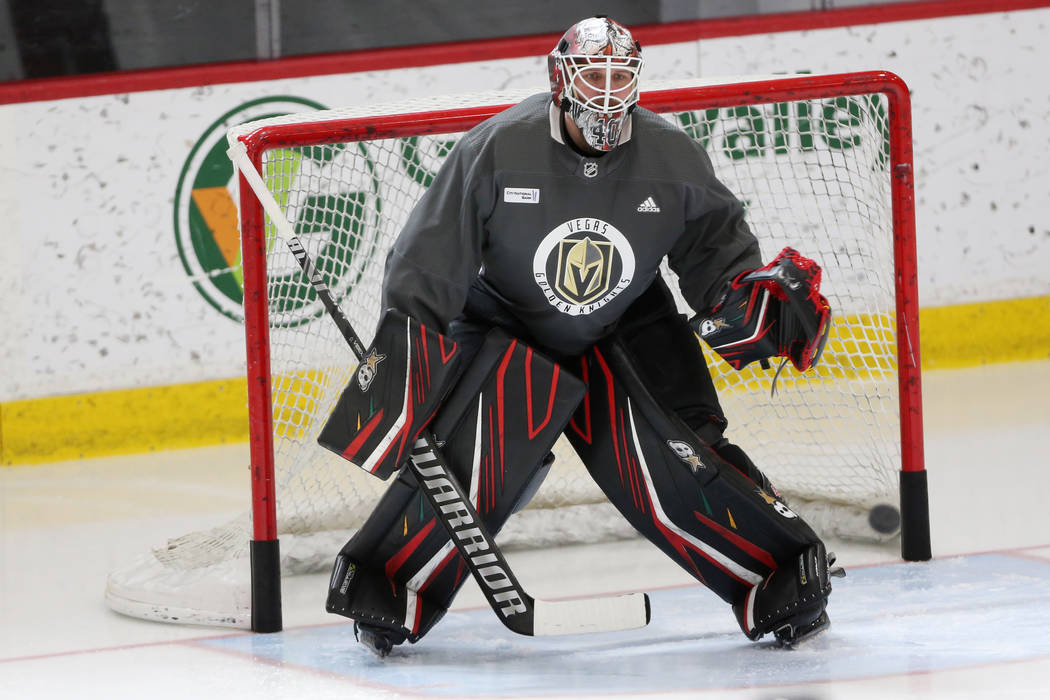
562,241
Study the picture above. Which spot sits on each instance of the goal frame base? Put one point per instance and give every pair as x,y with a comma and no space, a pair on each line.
266,585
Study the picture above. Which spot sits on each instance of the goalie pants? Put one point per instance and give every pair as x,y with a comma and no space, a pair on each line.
649,430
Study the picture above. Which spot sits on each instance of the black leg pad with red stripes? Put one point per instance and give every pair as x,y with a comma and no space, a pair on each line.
495,428
721,527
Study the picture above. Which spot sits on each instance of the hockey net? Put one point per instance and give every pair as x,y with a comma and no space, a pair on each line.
822,163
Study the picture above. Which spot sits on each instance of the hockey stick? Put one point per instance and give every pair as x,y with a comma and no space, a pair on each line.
516,609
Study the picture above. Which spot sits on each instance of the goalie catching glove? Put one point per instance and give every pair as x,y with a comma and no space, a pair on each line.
774,311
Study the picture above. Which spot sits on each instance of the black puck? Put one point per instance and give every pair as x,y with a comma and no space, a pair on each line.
884,518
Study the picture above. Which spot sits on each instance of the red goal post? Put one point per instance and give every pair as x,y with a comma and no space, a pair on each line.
822,163
913,498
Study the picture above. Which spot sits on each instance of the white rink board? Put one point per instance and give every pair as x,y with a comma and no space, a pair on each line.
94,295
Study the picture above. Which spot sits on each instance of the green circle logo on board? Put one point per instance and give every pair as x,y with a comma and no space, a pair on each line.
337,226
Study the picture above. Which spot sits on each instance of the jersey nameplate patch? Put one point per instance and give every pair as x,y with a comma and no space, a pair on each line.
521,195
582,265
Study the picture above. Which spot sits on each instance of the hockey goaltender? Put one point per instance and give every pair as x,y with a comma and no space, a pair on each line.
523,299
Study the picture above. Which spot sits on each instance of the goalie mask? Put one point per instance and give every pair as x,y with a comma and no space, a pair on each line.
594,78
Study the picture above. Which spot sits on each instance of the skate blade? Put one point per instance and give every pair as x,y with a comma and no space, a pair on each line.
789,639
377,643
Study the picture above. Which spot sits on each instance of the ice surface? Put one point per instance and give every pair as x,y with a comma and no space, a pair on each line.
972,623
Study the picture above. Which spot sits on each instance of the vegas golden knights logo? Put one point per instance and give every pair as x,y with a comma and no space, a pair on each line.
582,265
584,268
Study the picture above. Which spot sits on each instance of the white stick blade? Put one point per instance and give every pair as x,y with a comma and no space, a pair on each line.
588,615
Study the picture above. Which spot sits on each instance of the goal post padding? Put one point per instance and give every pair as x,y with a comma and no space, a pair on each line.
822,163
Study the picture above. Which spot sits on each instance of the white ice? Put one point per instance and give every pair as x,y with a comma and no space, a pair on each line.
972,623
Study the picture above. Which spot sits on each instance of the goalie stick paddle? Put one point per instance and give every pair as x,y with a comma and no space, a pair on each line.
516,609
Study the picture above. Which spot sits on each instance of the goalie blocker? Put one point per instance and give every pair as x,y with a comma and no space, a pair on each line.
381,413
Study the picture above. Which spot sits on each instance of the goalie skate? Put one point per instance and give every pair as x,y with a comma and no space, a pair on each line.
790,636
379,640
790,603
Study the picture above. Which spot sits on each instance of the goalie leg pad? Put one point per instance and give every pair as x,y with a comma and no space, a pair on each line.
721,527
664,351
743,464
401,571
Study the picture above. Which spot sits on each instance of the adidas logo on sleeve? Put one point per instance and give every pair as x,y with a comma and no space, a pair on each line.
649,205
